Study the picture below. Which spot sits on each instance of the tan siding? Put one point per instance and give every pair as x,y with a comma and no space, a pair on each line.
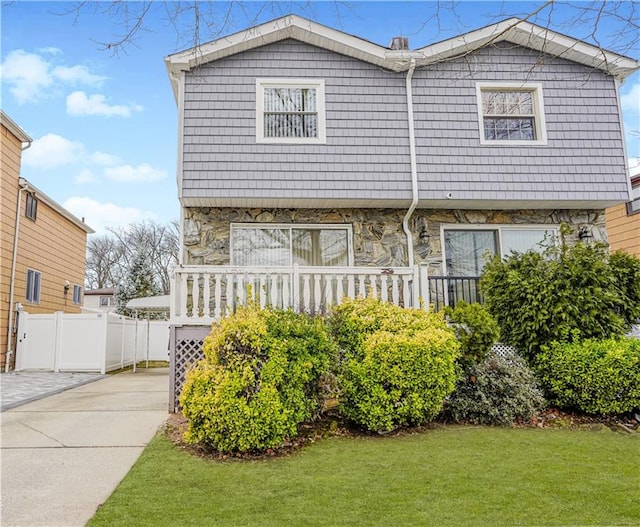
52,245
10,152
624,230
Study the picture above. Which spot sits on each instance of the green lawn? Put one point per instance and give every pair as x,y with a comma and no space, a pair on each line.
450,476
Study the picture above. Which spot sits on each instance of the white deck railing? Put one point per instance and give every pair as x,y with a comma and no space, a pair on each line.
203,294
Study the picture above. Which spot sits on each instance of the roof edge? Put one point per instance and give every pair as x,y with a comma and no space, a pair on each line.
56,206
11,125
535,37
513,30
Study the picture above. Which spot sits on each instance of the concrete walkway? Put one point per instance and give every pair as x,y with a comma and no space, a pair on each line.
63,456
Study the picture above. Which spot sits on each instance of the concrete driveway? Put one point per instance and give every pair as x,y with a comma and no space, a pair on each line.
62,456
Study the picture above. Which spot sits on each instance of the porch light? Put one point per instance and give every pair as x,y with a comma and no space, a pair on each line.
585,234
424,236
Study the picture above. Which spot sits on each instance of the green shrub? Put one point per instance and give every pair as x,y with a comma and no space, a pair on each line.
592,376
495,392
475,329
398,365
260,379
565,293
354,320
626,270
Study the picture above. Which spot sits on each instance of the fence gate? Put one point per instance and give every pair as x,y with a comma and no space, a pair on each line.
35,343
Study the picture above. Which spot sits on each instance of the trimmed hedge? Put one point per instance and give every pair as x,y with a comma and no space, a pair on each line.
592,376
261,378
398,364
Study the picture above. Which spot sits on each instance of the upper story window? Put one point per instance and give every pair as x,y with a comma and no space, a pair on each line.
77,294
511,114
290,111
34,280
31,208
285,245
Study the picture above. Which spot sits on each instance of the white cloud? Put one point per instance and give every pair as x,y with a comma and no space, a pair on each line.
77,75
85,176
50,50
100,158
141,173
32,77
78,103
630,101
27,74
99,216
52,151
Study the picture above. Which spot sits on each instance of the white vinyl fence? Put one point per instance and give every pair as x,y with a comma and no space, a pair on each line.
88,342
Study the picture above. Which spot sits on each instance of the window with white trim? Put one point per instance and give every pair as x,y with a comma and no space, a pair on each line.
467,250
511,114
34,281
77,294
290,111
285,245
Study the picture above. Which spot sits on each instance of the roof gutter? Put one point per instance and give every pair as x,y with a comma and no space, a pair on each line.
414,165
23,185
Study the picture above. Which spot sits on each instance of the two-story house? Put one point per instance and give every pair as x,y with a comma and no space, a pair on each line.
300,144
314,164
42,246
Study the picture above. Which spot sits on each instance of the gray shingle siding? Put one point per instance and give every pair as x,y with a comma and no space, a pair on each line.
366,151
583,157
366,154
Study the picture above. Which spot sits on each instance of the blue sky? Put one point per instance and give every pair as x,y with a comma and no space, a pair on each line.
104,125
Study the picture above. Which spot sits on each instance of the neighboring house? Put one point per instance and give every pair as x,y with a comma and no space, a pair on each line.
42,249
315,165
623,221
100,299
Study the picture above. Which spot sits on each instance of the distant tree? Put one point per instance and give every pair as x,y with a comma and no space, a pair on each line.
139,281
110,256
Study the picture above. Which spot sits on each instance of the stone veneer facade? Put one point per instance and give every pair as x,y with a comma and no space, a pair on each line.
378,238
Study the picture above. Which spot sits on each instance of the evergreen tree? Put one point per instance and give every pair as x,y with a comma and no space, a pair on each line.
139,282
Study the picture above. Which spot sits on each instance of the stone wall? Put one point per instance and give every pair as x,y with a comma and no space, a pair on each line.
378,238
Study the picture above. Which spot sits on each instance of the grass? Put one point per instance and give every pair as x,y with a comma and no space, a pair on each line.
454,476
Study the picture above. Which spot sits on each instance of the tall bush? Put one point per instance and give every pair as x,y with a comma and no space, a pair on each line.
592,376
259,380
560,294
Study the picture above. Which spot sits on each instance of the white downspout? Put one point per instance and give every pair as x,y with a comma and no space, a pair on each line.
414,165
23,186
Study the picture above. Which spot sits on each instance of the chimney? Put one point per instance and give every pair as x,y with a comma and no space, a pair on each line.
399,43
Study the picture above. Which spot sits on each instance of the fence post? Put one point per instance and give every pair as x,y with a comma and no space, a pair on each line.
424,286
104,329
296,288
58,323
415,286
